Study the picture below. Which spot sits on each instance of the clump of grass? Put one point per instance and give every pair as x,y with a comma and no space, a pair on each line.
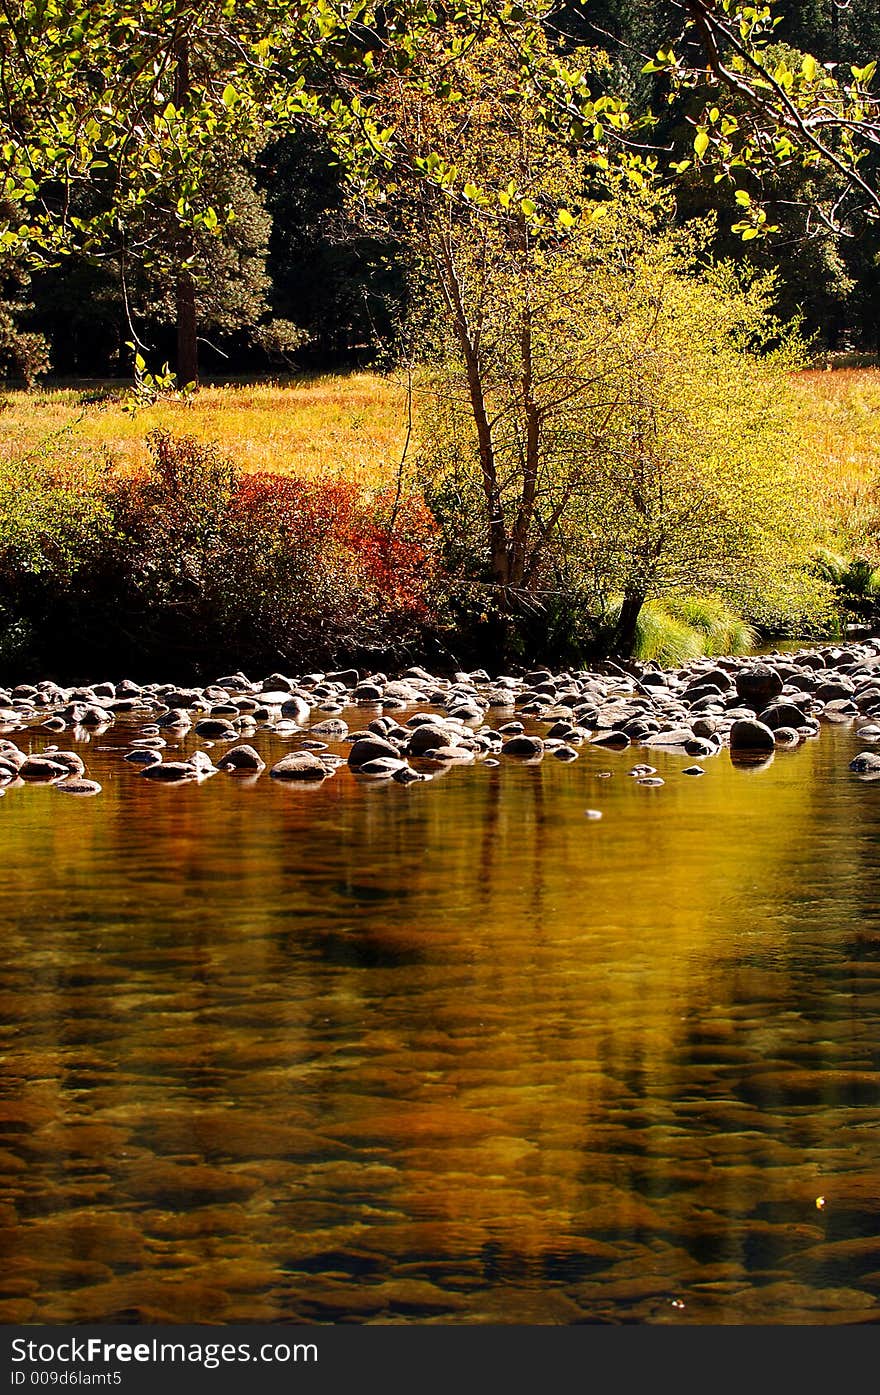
721,630
676,629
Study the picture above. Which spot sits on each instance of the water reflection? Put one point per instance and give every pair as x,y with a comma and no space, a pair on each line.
452,1052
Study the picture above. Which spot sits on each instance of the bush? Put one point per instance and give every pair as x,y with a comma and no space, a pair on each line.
55,526
190,562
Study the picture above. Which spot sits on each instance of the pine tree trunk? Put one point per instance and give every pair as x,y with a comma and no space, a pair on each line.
185,291
187,330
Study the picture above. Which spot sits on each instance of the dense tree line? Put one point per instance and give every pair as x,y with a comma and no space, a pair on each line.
296,282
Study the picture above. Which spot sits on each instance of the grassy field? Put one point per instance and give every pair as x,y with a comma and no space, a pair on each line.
353,426
348,426
840,414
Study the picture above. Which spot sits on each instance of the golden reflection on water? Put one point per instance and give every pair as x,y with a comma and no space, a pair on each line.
452,1052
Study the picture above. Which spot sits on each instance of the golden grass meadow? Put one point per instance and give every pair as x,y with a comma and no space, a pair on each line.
353,427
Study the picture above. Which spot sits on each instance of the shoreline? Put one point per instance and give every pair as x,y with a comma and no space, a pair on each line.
748,706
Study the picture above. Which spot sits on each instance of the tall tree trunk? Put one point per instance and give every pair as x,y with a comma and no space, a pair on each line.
187,326
625,631
185,291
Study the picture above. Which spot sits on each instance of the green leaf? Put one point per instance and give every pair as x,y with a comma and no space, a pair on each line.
701,142
230,96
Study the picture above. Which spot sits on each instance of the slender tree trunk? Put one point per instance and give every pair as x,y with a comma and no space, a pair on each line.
185,291
187,326
528,493
625,632
495,525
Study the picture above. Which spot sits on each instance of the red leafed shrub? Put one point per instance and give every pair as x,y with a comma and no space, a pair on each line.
326,567
266,568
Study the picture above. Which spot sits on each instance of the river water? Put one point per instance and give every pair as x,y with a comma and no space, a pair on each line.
446,1053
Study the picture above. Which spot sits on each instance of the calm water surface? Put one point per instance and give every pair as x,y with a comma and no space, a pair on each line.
449,1053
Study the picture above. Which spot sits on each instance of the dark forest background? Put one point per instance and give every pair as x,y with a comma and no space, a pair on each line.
299,286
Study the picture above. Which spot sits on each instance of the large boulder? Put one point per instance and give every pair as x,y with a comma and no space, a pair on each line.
751,737
758,685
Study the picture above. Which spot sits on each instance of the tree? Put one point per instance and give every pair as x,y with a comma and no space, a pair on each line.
135,98
697,484
485,187
599,420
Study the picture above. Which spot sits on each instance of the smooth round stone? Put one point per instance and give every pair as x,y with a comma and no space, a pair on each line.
651,780
751,737
528,747
78,786
241,760
371,748
69,759
612,740
38,769
592,813
300,765
565,753
694,770
215,730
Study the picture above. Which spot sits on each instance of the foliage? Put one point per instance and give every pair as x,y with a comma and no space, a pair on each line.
23,354
192,559
765,112
54,515
607,413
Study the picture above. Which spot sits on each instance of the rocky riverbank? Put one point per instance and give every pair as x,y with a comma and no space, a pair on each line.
417,724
